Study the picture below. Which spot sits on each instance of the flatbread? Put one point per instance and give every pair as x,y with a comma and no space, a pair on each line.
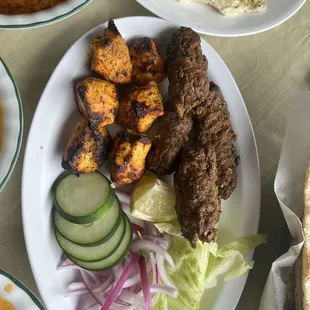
235,7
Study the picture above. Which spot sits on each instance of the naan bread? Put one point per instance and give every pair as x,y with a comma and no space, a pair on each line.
235,7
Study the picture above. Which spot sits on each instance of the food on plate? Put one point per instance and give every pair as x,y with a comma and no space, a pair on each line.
15,296
71,203
153,199
298,292
14,7
87,149
215,129
140,106
172,134
147,64
149,246
110,57
187,72
198,204
128,155
91,227
89,235
235,7
97,101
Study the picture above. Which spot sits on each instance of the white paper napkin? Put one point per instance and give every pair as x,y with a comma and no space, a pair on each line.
289,186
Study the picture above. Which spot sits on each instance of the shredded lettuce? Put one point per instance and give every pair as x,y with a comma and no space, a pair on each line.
199,269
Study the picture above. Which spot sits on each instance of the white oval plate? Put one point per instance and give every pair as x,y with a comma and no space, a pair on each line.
204,19
42,18
18,295
13,123
54,119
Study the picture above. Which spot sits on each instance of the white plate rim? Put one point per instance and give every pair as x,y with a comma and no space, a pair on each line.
223,33
21,128
241,280
51,16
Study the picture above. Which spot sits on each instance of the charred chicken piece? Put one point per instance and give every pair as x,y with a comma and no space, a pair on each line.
187,71
147,64
111,57
172,135
97,101
87,149
198,205
128,155
215,129
140,107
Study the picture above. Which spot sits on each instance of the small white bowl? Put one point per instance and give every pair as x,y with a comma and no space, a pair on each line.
205,19
42,18
13,123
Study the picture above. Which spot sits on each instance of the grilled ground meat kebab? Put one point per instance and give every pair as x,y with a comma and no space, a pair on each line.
198,205
188,87
172,135
215,129
187,71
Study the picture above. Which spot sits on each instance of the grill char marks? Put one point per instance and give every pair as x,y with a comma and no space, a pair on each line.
187,70
198,205
215,129
172,135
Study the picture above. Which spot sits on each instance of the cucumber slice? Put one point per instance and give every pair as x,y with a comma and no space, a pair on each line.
94,233
93,253
112,260
83,199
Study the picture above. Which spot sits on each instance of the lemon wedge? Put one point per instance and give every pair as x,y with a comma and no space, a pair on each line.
153,200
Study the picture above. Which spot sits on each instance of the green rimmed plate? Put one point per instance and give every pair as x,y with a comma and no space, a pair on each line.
42,18
13,122
14,295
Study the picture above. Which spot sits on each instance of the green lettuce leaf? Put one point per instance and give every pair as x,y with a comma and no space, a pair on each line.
199,269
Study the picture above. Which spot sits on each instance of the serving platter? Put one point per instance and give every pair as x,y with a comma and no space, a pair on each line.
205,19
13,122
53,122
42,18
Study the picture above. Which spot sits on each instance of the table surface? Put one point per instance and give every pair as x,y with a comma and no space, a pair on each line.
267,67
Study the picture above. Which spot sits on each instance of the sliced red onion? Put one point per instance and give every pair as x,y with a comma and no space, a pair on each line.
165,289
92,307
105,284
154,268
163,242
152,230
145,284
120,283
77,293
95,278
137,278
136,228
85,277
139,245
118,271
162,270
76,286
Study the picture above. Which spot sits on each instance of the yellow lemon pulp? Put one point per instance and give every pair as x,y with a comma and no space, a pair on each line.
153,200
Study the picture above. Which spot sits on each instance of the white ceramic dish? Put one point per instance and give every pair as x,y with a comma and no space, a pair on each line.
15,293
42,18
204,19
52,124
13,123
